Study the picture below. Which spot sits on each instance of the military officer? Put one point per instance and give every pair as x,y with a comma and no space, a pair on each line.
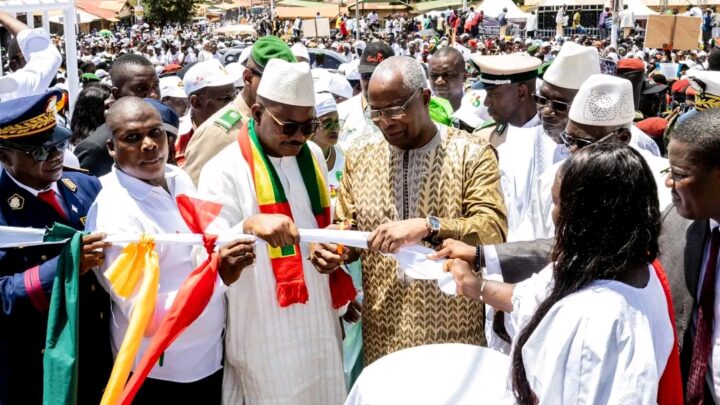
36,191
509,81
214,134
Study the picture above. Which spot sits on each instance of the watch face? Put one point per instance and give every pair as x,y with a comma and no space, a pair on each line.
434,223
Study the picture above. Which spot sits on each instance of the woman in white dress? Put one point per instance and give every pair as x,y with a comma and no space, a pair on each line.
594,326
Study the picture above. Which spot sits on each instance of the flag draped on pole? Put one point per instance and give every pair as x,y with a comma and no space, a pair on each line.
193,295
60,362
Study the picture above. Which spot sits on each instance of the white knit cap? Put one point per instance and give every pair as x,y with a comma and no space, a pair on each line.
604,100
472,110
287,83
572,66
300,51
324,103
236,69
705,81
172,86
209,73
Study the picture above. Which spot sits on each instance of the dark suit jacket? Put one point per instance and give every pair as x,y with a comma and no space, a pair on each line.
682,244
93,154
26,281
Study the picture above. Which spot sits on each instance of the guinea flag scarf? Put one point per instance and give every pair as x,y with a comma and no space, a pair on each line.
287,261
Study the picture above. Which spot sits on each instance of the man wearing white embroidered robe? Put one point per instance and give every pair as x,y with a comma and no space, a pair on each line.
139,196
528,152
276,354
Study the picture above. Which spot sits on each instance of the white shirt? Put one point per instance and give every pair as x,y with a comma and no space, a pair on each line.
606,344
353,122
274,355
627,19
641,140
43,61
531,23
126,204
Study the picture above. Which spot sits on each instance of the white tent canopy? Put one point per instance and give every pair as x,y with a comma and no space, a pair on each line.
492,8
640,9
571,3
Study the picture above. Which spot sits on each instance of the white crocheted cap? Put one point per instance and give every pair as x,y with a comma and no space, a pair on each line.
572,66
287,83
604,100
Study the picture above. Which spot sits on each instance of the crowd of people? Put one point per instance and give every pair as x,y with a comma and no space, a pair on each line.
571,188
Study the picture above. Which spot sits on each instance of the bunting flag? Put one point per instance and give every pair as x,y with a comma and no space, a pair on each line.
136,261
60,362
670,389
193,295
286,261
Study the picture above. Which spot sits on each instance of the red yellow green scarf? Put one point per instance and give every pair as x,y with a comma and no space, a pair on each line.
286,261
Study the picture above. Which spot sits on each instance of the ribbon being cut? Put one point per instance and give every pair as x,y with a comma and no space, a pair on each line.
136,272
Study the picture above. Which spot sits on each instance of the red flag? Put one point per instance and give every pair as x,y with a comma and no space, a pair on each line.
192,297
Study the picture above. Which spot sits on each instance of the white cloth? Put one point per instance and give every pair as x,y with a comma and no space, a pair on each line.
451,373
545,227
274,355
43,61
641,140
605,344
627,19
523,157
531,23
335,176
127,204
714,362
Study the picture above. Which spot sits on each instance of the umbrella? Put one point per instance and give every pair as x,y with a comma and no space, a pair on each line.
428,33
106,33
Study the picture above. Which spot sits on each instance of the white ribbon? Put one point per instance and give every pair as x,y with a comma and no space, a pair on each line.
413,260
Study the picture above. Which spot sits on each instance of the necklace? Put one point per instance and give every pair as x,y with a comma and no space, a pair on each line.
330,154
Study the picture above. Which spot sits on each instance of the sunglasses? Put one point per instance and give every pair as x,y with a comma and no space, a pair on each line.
579,143
558,106
331,125
40,153
394,113
290,128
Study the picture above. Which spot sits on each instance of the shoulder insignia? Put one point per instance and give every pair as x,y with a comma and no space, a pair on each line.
229,119
500,128
16,202
487,124
83,220
69,184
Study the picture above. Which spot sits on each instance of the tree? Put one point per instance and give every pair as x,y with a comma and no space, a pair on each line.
170,11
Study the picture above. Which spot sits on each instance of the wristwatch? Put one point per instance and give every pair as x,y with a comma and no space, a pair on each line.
433,225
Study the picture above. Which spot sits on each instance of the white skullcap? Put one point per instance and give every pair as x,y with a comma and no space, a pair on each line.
333,83
324,104
172,86
300,51
287,83
604,100
244,55
236,69
572,66
472,111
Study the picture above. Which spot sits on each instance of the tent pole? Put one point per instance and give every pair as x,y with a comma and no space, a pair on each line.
357,21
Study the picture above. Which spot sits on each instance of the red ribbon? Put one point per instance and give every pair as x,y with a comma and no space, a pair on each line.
192,297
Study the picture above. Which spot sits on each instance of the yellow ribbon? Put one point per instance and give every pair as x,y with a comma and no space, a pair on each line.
138,260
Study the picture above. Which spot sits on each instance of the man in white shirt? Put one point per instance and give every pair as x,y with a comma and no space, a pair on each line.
139,196
531,25
560,21
281,320
32,58
627,21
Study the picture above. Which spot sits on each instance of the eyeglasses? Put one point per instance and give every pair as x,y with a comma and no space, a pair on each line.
579,143
393,113
290,128
558,106
40,153
330,125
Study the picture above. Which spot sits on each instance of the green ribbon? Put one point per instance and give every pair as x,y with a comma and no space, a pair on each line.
441,111
60,363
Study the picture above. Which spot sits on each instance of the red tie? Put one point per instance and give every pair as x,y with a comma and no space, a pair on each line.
51,199
702,345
